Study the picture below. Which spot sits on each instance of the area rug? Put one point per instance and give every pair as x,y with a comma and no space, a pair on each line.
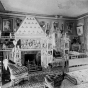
34,82
36,85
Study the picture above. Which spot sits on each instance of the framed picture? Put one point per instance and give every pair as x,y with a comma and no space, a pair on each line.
7,25
80,30
17,23
56,25
43,25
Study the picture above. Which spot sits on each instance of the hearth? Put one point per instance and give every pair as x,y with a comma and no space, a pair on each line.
32,60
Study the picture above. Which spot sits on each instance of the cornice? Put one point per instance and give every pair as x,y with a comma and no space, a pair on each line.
41,16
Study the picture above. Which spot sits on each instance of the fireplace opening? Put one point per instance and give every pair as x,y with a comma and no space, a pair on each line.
29,59
33,61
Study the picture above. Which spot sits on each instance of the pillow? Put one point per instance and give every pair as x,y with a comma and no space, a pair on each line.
15,70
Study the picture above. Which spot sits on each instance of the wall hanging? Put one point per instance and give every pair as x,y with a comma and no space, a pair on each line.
43,25
7,25
80,30
56,25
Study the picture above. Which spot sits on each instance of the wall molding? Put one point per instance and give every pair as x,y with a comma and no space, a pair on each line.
82,16
41,16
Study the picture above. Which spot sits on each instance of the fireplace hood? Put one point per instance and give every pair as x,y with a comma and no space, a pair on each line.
30,28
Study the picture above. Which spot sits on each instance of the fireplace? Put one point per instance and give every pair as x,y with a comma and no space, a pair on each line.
32,60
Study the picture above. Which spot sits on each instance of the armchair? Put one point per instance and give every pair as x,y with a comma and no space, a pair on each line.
17,73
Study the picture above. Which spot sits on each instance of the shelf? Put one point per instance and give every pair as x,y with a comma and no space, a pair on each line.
7,37
5,50
30,49
8,49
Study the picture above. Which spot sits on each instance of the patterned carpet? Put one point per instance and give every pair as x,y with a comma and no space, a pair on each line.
34,82
37,85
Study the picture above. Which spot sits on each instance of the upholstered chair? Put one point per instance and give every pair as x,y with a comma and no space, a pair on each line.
17,73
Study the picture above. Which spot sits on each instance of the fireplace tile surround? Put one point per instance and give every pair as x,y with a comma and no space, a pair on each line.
32,62
23,53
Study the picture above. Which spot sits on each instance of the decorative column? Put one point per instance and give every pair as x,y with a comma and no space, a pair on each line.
18,56
14,42
44,53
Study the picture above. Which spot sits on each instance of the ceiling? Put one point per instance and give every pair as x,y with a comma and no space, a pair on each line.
70,8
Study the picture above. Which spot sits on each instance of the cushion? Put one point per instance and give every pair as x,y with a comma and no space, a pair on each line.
17,70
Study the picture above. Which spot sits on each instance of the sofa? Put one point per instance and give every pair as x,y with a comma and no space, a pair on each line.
17,73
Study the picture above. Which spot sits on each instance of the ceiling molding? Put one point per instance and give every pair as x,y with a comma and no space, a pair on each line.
82,16
71,8
15,13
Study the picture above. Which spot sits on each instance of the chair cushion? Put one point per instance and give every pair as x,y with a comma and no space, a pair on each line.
17,70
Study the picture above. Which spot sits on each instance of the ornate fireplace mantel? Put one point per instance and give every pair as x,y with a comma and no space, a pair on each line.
33,39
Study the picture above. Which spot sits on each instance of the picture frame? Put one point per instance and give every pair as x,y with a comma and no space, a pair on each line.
7,25
56,25
17,23
80,30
